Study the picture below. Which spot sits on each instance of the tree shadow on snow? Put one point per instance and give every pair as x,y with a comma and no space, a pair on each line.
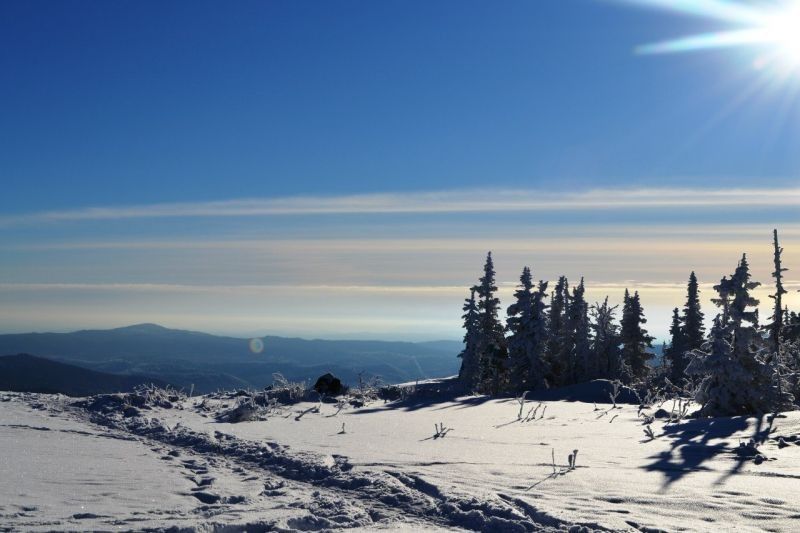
761,432
443,399
450,394
445,394
691,447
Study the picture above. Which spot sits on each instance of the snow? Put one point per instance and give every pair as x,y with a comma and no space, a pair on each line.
387,471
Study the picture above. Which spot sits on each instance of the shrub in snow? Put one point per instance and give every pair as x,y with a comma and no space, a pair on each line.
245,410
573,457
614,394
441,430
285,391
368,390
154,396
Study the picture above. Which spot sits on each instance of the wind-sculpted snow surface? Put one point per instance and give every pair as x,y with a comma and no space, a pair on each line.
382,466
364,498
317,491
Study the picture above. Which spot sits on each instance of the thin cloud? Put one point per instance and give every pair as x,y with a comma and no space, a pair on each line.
461,201
634,241
238,289
252,289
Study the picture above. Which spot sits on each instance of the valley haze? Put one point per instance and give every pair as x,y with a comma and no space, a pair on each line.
210,362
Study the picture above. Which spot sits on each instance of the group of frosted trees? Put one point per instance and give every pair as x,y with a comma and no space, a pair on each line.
544,345
556,338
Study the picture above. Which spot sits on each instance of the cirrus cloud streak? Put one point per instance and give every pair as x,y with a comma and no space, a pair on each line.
456,201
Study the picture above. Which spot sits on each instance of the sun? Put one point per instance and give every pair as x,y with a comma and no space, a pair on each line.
784,30
773,29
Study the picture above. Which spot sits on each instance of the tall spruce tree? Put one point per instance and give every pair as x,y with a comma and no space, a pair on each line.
775,326
526,341
635,339
693,328
781,369
577,349
606,341
491,337
556,346
518,325
470,358
540,370
675,355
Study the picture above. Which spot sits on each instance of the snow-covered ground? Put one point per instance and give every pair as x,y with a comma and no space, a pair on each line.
380,467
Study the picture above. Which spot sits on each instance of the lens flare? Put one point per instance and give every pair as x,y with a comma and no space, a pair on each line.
256,345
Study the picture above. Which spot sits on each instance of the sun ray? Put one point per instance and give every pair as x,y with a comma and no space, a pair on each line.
707,41
711,9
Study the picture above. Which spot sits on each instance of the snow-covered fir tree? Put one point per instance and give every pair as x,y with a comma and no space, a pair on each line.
783,356
606,341
635,339
775,327
539,364
557,330
526,342
694,331
470,358
518,323
579,363
675,354
491,345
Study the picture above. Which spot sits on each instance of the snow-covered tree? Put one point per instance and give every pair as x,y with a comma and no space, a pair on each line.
491,345
675,355
783,363
736,378
775,326
635,339
557,330
579,361
539,364
526,342
518,326
791,326
693,328
606,341
470,358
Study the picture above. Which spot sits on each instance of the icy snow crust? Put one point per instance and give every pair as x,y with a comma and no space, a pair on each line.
67,467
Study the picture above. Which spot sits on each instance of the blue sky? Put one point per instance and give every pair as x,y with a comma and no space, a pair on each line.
166,116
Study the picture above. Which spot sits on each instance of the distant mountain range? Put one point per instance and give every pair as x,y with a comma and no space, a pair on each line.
209,362
26,373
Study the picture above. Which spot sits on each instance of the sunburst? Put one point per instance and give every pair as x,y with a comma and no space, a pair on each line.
773,27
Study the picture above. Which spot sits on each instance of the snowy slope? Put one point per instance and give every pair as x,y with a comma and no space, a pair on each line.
386,470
